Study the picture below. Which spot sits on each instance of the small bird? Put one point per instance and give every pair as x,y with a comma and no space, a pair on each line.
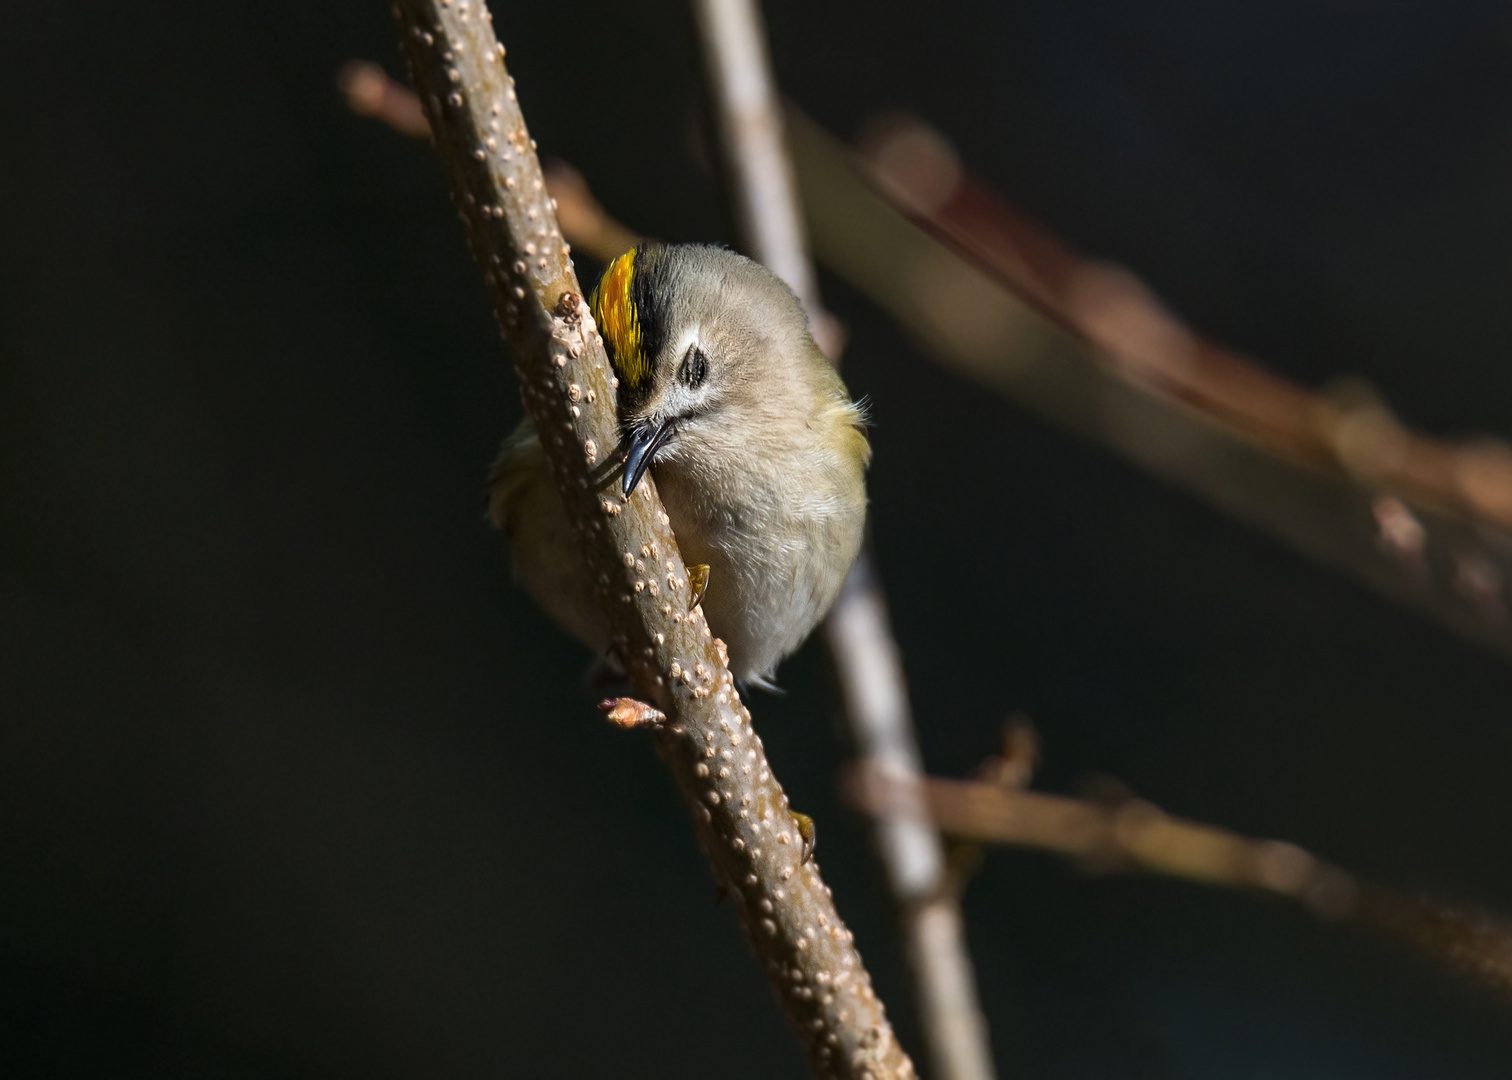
758,452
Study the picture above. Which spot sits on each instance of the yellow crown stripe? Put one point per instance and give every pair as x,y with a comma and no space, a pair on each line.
618,322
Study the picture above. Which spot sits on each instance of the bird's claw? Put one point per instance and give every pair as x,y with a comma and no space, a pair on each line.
698,581
806,834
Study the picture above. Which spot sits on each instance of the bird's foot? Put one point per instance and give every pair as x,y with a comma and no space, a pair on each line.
805,834
698,581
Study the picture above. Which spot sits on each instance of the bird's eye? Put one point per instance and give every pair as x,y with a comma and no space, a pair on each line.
694,367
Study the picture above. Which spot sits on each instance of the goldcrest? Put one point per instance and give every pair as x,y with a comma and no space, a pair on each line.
757,450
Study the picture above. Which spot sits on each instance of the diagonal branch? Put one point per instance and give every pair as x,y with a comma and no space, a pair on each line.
628,549
1085,345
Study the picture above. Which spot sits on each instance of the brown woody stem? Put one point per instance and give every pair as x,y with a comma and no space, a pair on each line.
628,549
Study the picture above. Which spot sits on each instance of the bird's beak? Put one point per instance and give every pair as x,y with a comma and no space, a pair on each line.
645,439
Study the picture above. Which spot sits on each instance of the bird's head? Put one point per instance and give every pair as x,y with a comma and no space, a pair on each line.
697,335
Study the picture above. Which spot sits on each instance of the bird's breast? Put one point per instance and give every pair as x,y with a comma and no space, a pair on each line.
778,529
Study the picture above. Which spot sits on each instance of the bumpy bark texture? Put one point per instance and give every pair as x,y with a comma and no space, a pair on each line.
628,549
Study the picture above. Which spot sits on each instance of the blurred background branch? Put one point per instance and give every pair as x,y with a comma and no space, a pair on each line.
370,92
1123,833
868,662
748,125
986,292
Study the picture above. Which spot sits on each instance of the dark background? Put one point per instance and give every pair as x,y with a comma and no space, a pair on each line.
294,783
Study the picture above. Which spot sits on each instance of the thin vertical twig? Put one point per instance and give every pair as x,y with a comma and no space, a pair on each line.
769,224
700,727
744,95
870,667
